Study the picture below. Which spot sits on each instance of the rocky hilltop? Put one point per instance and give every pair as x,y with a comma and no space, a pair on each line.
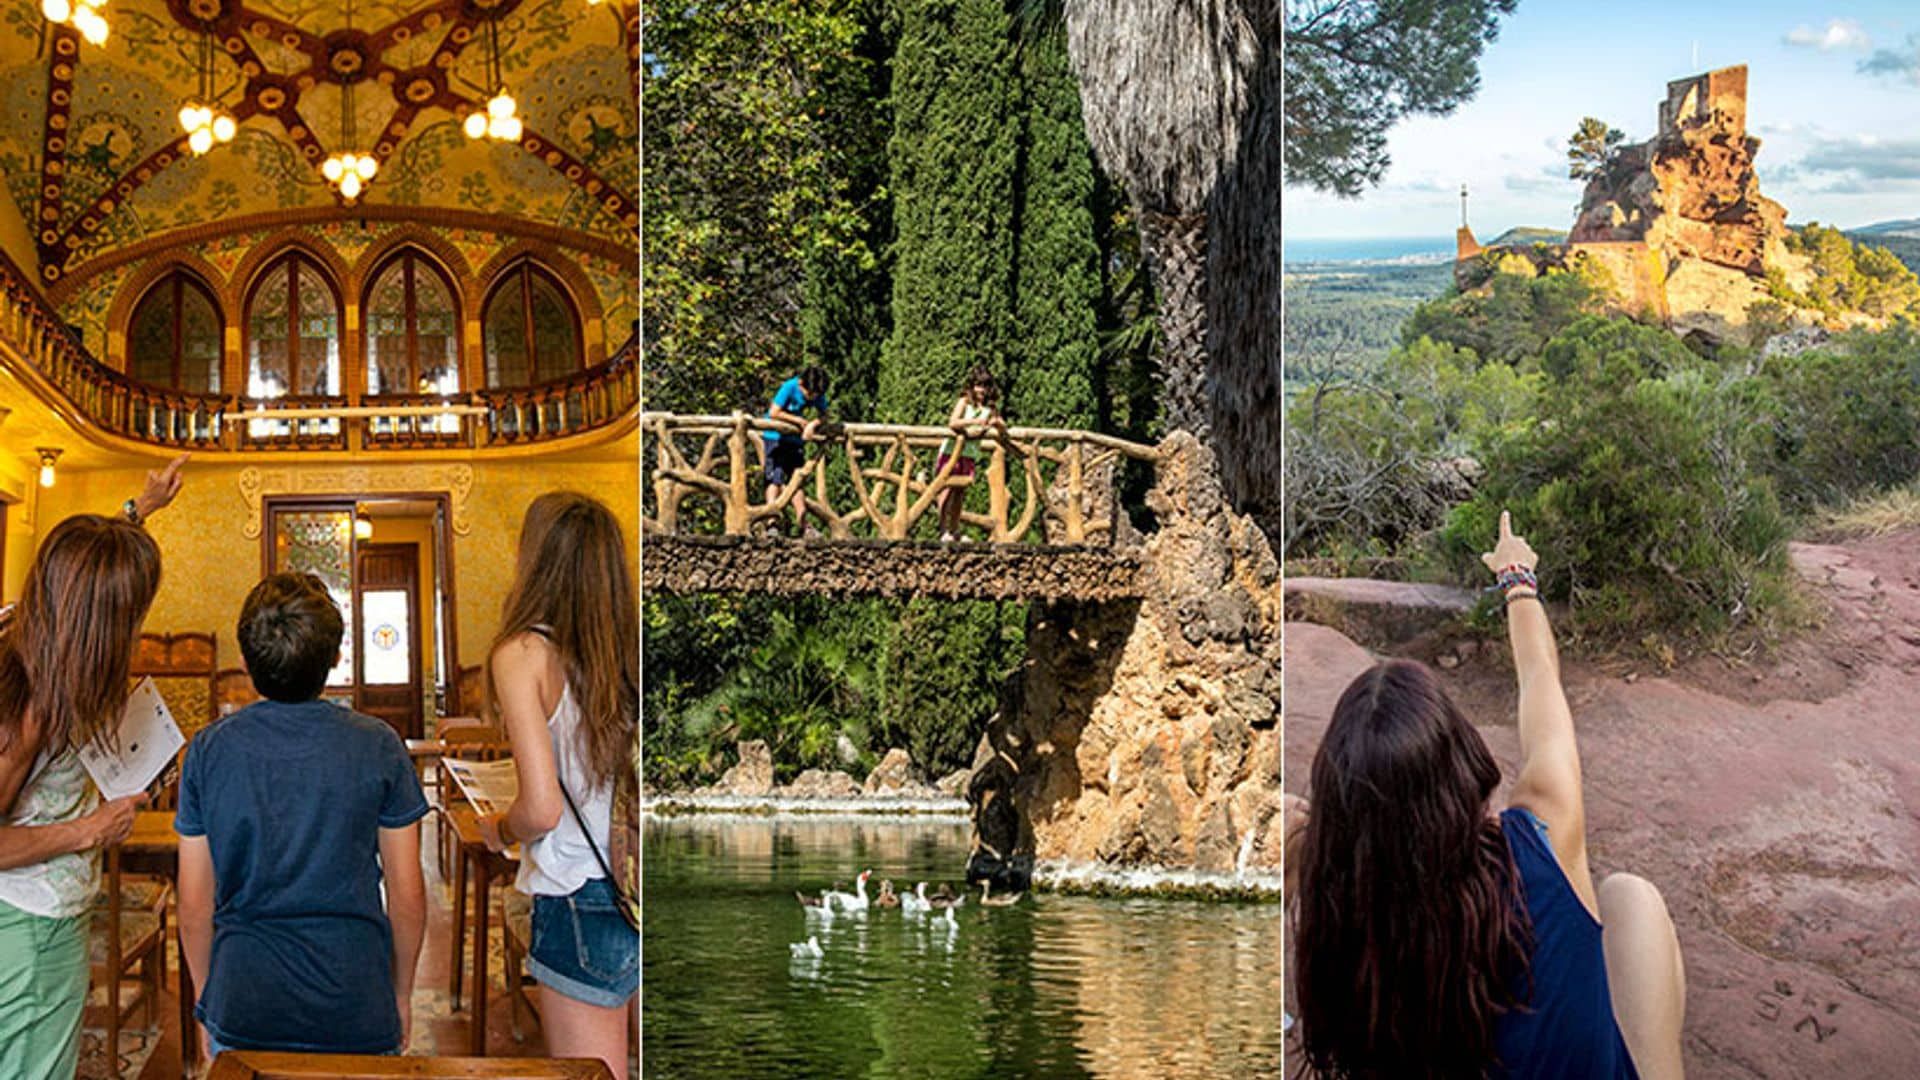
1678,222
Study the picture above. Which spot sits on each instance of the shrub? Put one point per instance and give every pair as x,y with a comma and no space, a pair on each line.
1641,482
1845,419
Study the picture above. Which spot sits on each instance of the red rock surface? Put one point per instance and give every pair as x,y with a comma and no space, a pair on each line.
1776,805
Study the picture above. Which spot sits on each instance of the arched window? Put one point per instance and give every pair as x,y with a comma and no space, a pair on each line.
531,331
174,338
413,329
293,331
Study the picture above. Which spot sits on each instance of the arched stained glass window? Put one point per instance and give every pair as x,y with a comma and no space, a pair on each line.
173,339
293,331
531,331
413,329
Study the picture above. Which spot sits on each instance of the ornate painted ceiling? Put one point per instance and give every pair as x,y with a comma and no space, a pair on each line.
92,152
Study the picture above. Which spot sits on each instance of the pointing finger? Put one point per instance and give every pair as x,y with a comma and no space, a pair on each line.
1506,524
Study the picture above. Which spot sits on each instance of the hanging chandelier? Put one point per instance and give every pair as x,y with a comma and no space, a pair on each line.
83,15
349,171
498,119
203,118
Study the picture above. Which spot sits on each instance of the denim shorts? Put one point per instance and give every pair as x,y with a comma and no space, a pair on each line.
582,947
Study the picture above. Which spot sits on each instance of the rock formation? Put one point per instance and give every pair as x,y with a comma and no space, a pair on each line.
1146,732
1691,191
752,774
1677,222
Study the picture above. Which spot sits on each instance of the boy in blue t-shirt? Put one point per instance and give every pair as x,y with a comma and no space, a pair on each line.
787,453
292,812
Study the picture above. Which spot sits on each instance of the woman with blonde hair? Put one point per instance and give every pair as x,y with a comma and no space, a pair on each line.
64,658
564,676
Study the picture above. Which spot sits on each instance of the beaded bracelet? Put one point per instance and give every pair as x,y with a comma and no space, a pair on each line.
1512,576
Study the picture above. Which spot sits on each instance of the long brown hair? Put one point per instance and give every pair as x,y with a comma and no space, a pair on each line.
1411,931
572,576
66,654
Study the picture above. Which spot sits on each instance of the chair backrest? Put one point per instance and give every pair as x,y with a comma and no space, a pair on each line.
182,668
479,742
232,690
470,691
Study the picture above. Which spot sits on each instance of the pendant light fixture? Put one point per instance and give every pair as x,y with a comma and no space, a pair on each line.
499,119
203,118
349,170
83,15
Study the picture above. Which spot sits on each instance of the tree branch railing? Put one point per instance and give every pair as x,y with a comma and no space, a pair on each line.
879,481
186,420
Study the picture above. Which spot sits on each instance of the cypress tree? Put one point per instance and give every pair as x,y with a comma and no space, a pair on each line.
952,164
1057,286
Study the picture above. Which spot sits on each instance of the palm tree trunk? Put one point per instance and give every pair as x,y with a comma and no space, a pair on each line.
1175,249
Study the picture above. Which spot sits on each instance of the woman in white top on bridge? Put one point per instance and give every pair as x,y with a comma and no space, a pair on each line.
974,413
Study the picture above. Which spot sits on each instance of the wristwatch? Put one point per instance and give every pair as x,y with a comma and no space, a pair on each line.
131,509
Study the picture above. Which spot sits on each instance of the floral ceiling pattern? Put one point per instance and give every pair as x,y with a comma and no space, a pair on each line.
93,154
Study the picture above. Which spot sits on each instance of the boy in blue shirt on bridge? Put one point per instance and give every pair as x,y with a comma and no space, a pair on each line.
293,814
787,453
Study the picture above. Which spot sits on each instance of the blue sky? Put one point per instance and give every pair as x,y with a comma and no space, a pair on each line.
1833,95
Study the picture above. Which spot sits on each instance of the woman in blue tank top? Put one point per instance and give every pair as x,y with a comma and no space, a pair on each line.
1433,938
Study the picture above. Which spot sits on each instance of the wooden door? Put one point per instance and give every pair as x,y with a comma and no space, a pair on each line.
387,639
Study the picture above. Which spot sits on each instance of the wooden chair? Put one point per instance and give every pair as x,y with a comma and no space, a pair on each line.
128,940
469,742
233,690
470,691
182,667
516,932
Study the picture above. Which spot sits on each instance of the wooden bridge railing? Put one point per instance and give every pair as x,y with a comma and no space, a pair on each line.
879,480
177,419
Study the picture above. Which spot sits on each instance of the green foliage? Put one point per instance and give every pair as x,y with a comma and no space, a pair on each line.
1511,320
1591,146
997,259
1846,420
1641,483
751,175
896,190
1354,68
1847,277
804,673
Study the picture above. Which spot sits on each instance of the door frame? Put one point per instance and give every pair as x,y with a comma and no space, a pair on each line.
441,527
416,680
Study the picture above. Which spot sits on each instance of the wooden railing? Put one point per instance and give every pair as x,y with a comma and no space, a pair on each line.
579,403
879,481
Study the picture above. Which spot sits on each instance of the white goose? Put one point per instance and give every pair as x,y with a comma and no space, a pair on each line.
916,903
856,902
808,949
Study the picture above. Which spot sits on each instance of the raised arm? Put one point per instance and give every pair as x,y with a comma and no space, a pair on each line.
1549,780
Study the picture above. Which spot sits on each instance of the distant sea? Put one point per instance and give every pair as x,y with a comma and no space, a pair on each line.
1309,249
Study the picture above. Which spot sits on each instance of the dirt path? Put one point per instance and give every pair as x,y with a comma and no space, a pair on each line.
1776,805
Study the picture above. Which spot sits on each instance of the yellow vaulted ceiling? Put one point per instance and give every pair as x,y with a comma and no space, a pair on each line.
92,152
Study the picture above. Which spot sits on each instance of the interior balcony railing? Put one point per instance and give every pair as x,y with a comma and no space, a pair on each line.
885,481
176,419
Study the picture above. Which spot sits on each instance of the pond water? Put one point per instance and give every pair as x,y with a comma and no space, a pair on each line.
1056,986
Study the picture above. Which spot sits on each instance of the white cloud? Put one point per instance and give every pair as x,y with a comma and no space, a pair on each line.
1839,34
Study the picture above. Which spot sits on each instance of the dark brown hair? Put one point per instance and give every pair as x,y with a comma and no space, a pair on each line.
572,576
981,376
1411,934
66,655
290,632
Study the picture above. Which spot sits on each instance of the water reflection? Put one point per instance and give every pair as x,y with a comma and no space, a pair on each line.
1052,987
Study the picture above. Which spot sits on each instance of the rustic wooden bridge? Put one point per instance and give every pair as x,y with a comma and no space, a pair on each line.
1052,526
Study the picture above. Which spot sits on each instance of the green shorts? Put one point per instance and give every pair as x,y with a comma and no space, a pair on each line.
43,991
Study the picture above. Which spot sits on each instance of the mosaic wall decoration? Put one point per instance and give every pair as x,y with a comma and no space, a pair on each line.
92,153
